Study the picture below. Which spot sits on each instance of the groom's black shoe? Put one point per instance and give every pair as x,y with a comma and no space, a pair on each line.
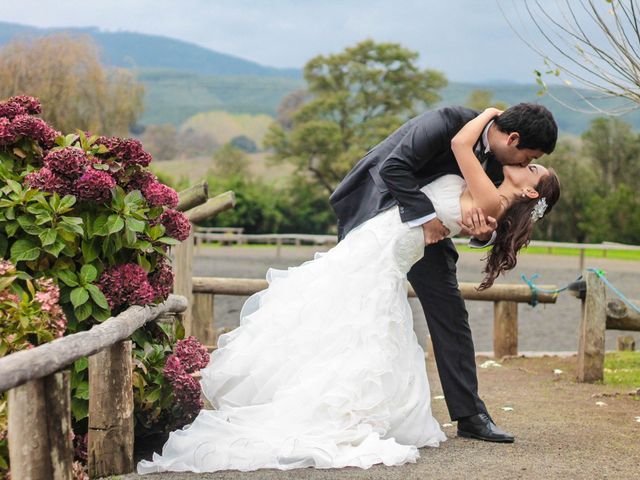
481,427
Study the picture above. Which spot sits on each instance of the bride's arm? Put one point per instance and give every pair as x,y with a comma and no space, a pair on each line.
484,192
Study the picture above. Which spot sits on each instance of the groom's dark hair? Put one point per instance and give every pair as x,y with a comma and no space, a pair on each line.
533,122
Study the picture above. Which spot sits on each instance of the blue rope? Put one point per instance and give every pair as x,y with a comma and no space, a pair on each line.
622,296
535,289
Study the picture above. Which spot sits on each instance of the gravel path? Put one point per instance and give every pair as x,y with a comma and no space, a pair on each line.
561,433
549,328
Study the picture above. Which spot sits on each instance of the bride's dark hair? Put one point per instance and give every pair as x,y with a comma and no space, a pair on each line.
515,227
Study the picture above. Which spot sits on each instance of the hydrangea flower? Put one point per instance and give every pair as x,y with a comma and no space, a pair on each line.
158,194
192,354
94,185
176,224
140,181
7,137
126,284
161,279
25,125
70,162
47,181
30,104
130,152
186,390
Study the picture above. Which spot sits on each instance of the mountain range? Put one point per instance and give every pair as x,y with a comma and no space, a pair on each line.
182,79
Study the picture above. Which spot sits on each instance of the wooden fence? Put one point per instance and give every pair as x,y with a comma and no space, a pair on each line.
39,401
598,315
504,297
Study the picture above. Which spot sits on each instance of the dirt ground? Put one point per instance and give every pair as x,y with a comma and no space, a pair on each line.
551,328
563,429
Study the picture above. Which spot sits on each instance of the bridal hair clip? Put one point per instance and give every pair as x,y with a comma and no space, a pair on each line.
538,210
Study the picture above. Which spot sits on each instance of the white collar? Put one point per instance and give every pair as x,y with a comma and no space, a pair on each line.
485,137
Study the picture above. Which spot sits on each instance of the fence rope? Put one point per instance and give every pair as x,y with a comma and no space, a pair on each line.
600,273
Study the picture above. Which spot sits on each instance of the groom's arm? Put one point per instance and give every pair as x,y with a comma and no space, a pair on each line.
429,135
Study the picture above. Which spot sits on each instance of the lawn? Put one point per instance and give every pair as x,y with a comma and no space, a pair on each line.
622,368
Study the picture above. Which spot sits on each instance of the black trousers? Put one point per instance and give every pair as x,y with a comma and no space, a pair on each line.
434,280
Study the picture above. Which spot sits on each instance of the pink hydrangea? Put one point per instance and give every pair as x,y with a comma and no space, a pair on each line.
130,152
176,224
7,137
6,267
158,194
161,279
192,354
30,104
69,162
186,390
126,284
34,128
141,180
11,109
94,185
47,181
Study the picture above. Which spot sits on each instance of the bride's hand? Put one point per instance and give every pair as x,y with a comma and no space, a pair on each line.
476,225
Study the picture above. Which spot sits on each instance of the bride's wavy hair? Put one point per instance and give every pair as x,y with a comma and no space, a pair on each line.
515,227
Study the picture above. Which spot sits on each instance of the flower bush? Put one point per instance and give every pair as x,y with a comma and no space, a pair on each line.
85,229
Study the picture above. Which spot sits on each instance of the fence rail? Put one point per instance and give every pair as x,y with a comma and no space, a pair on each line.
505,298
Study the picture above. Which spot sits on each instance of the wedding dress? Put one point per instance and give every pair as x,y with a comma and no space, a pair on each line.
325,369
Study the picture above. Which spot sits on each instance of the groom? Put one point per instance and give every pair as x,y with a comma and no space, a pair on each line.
392,173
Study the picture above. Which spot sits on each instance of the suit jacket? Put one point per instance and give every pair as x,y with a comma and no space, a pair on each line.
392,172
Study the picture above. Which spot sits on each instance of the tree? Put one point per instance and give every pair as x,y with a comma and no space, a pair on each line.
76,90
579,183
615,148
244,143
593,43
357,97
229,161
481,99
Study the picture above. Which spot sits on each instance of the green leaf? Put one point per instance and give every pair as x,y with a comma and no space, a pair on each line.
83,311
144,263
79,408
100,314
55,248
89,250
135,225
115,223
24,249
88,273
82,391
97,296
48,237
66,203
169,241
79,296
100,227
130,237
81,364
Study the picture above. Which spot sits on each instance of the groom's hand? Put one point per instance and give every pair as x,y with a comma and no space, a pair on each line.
475,224
434,231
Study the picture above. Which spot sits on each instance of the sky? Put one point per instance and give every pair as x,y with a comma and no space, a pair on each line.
469,40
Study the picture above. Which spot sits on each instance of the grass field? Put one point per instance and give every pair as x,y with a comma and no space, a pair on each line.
569,252
622,368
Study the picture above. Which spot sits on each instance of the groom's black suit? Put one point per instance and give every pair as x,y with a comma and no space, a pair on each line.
392,173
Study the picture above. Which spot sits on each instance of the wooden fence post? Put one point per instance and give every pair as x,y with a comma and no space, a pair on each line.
110,445
592,330
505,328
183,274
40,444
202,314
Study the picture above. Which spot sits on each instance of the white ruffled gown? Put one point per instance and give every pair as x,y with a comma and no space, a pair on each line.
325,369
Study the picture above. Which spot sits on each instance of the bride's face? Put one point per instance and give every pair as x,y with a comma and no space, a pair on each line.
524,179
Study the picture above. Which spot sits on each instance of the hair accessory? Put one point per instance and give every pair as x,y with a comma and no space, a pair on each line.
538,210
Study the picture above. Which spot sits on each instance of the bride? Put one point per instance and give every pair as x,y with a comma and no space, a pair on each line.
325,369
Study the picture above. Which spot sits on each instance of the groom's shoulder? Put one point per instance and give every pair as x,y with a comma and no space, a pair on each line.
453,117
